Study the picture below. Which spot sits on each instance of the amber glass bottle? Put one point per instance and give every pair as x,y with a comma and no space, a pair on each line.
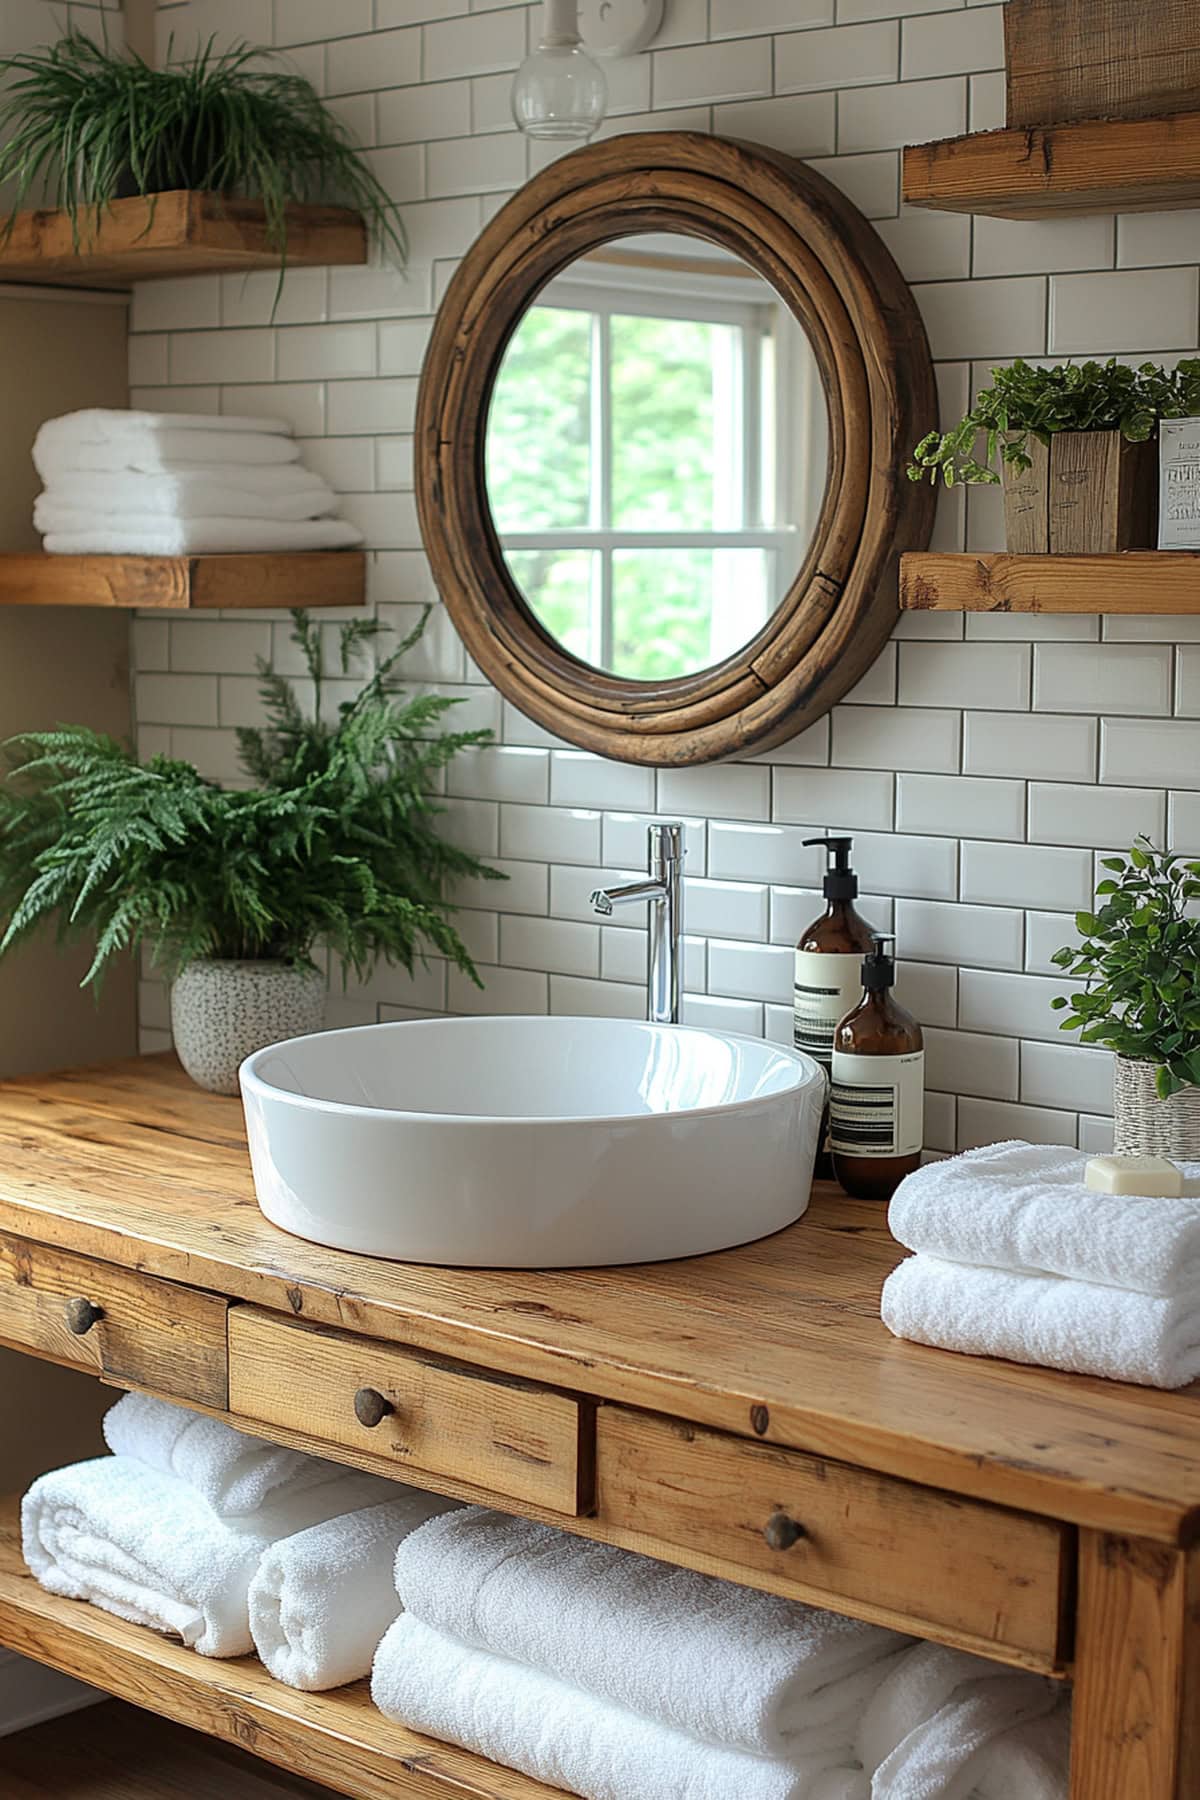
877,1100
829,957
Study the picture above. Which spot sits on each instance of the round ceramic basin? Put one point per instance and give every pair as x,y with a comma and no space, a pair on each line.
531,1142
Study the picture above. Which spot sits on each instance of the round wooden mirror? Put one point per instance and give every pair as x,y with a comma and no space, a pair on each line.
661,439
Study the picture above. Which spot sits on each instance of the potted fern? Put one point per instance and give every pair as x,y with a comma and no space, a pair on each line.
1073,448
233,889
1139,960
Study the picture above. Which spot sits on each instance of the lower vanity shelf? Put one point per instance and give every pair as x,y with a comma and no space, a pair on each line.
337,1739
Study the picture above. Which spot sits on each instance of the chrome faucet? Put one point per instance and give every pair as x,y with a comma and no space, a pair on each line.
664,890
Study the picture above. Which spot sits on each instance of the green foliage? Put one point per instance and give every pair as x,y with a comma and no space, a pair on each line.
337,842
1027,402
81,124
1140,958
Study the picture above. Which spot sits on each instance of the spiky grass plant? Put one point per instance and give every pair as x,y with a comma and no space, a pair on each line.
338,842
81,124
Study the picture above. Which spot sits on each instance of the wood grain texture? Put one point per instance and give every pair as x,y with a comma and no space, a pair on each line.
831,267
148,1332
496,1432
922,1561
338,1739
1136,1721
1132,581
780,1340
1039,172
1099,59
177,233
1103,493
1026,494
183,583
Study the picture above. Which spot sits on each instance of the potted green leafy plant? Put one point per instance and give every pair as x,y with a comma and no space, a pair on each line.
1140,961
1073,447
232,889
82,125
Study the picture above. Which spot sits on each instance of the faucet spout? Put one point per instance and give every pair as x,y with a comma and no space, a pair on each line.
663,889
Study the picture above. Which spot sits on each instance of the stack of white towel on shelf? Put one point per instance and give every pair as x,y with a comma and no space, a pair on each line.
226,1542
620,1678
1017,1258
173,484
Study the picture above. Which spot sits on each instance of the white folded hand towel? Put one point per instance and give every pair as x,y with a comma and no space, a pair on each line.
923,1734
1045,1319
149,536
558,1734
106,424
80,502
165,453
707,1656
1024,1207
321,1600
149,1548
234,1472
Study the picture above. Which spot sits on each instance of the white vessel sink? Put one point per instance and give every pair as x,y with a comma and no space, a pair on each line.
531,1142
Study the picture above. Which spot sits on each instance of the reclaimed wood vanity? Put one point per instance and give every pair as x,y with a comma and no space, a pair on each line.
745,1414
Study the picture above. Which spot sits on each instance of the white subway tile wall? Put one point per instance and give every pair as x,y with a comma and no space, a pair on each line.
979,764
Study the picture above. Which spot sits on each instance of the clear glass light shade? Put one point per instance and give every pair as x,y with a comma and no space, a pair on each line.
559,92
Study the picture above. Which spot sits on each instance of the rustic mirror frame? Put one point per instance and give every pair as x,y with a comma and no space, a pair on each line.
830,266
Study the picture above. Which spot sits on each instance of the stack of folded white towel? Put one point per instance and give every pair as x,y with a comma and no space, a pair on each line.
226,1542
172,484
621,1678
1017,1258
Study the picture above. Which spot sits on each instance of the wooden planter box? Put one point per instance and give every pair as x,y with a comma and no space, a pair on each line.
1067,60
1090,492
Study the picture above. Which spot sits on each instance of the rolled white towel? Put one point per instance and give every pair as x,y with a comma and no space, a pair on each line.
1024,1207
321,1600
1031,1762
147,1547
1046,1320
559,1734
81,501
234,1472
703,1655
151,536
924,1734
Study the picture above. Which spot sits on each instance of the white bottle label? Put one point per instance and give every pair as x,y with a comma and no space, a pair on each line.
877,1104
828,986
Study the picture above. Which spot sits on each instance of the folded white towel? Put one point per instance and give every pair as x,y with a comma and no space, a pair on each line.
321,1600
166,452
106,424
704,1655
1044,1319
147,1547
81,501
923,1734
189,537
234,1472
570,1739
1030,1763
1024,1207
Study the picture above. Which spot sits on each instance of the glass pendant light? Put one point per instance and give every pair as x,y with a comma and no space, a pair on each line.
559,92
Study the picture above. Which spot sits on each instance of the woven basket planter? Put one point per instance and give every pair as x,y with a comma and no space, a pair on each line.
1145,1125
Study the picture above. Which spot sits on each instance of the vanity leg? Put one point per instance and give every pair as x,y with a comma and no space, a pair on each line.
1136,1727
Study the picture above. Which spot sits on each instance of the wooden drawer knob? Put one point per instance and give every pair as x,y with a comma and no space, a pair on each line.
370,1407
781,1532
82,1315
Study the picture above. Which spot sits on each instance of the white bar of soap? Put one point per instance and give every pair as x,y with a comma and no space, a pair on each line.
1151,1176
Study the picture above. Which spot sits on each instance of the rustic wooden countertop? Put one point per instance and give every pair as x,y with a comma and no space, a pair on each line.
779,1340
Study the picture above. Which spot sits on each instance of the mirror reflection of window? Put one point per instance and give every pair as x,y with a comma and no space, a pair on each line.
656,455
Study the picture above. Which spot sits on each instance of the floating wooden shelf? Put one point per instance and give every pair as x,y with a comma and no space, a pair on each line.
1044,171
1129,581
183,583
178,233
338,1739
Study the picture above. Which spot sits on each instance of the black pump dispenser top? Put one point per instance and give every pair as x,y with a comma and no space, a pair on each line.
840,883
879,966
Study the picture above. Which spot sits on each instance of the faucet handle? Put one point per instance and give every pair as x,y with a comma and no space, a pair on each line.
664,840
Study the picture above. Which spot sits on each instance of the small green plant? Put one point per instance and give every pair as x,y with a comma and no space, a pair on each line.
336,844
81,124
1026,402
1140,960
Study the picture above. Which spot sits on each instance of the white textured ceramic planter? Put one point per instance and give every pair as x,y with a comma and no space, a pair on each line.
221,1012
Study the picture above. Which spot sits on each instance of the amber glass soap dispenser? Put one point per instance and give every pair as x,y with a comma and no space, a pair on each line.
829,957
877,1100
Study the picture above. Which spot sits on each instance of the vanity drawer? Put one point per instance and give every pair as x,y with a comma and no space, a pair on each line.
451,1419
113,1321
908,1556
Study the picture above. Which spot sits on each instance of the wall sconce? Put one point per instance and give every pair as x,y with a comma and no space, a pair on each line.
560,92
